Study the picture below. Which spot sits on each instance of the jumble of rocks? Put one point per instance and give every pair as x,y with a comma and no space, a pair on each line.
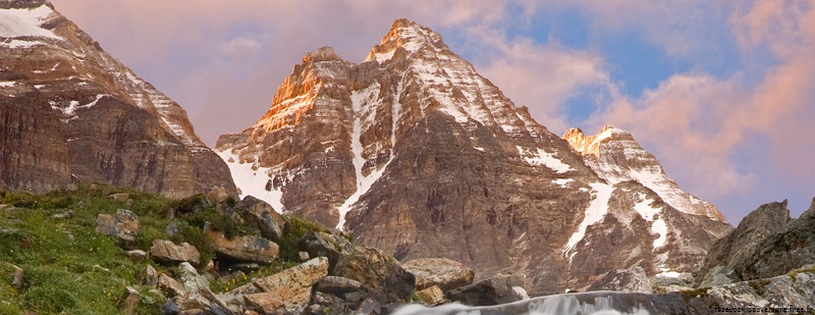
335,277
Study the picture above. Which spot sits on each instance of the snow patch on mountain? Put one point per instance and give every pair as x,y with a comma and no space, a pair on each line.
597,209
362,102
253,180
26,22
540,157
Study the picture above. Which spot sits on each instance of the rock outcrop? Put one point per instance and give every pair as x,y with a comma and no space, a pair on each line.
442,272
418,155
166,251
739,246
72,113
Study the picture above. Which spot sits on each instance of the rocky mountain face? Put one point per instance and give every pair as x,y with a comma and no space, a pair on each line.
417,154
767,243
616,157
71,113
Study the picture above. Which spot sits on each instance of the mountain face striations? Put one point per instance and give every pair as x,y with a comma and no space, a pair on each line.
71,113
417,154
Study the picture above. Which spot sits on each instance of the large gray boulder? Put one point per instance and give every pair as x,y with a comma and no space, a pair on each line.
445,273
245,248
286,291
261,214
165,251
123,225
380,274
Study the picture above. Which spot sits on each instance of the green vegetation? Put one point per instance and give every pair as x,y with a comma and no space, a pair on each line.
687,295
70,269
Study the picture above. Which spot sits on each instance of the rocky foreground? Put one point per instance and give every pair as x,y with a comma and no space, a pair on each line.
213,254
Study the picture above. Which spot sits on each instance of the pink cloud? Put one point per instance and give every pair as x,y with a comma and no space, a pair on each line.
697,123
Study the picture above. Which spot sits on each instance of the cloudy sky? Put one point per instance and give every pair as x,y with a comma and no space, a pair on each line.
722,92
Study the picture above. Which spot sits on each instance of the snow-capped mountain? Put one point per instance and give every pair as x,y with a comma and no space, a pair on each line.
416,153
616,157
73,113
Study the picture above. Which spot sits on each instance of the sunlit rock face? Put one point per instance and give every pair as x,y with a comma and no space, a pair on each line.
417,154
71,113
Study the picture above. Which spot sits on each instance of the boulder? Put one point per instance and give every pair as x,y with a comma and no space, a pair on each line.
120,197
630,280
190,278
217,196
380,274
431,296
318,244
170,286
445,273
124,225
17,278
498,289
720,275
789,247
205,300
738,246
170,308
165,251
338,286
131,300
136,254
151,276
288,290
262,215
245,248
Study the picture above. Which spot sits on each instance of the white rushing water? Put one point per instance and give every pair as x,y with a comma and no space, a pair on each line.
590,303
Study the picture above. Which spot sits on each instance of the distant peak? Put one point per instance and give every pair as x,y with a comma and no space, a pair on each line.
591,144
408,35
325,53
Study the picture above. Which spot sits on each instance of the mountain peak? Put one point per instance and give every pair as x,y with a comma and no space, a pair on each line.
325,53
408,35
590,145
24,4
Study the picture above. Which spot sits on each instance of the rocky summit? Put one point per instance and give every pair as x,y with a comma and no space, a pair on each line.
71,113
417,154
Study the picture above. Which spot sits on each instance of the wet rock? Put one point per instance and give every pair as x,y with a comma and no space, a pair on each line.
245,248
165,251
445,273
380,274
124,225
491,291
